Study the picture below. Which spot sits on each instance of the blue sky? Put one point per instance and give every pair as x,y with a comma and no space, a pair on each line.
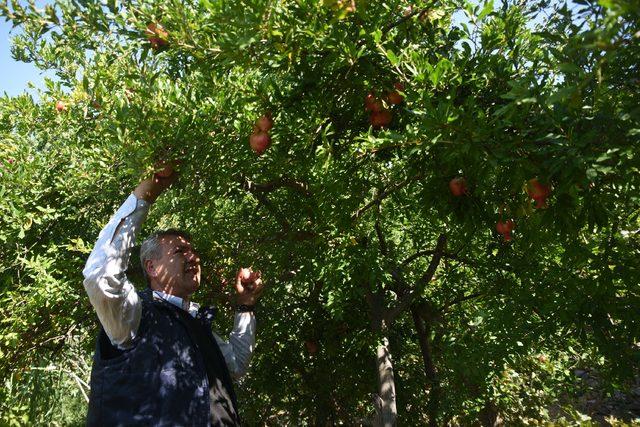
14,75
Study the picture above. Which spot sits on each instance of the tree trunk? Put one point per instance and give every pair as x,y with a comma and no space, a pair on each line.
385,401
433,385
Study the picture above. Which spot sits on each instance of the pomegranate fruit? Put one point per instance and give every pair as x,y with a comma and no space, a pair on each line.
381,119
157,35
264,123
458,186
312,346
394,98
371,103
259,142
505,228
538,192
61,106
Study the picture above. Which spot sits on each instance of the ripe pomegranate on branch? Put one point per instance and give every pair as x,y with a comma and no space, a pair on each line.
265,123
538,192
381,119
505,228
380,116
260,140
393,97
157,35
373,104
458,186
312,346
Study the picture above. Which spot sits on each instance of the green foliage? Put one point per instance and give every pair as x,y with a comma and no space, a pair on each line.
336,213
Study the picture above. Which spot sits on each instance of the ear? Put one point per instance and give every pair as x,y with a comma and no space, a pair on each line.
150,268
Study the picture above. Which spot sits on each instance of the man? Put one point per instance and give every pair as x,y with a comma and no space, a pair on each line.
157,362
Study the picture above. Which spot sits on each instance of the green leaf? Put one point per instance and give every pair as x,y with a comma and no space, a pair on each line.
392,58
487,9
569,68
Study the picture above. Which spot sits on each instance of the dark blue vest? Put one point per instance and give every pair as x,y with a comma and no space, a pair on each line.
174,375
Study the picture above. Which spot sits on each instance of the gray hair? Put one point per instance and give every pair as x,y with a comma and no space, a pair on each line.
150,248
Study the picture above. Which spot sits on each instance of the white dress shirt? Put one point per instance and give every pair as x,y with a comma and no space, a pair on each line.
117,304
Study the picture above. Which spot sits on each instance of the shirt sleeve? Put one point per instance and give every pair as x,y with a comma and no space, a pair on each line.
238,350
111,294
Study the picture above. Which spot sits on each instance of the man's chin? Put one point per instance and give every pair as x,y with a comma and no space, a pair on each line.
193,284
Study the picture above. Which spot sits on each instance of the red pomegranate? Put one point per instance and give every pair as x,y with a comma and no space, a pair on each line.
312,346
61,106
157,35
505,228
394,98
371,103
458,186
538,192
259,142
381,118
264,123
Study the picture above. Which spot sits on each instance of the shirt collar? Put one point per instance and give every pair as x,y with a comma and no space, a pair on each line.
188,306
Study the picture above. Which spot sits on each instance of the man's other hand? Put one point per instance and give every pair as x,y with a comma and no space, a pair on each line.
249,286
150,188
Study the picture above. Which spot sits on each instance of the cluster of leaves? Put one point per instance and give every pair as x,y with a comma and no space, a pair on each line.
343,220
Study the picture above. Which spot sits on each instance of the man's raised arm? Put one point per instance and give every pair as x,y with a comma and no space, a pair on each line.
238,350
111,294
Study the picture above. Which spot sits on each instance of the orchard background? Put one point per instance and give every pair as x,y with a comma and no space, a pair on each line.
471,251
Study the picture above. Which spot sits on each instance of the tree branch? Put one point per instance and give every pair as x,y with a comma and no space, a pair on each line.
402,20
272,209
416,256
400,287
381,240
406,300
252,187
461,299
382,195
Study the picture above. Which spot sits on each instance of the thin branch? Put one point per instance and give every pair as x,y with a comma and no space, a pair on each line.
402,20
454,257
382,195
381,239
272,209
447,255
416,256
461,299
406,300
400,287
267,187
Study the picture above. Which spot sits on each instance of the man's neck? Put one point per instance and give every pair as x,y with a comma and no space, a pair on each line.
176,300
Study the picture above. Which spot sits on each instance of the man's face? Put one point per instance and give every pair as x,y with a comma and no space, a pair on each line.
177,272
